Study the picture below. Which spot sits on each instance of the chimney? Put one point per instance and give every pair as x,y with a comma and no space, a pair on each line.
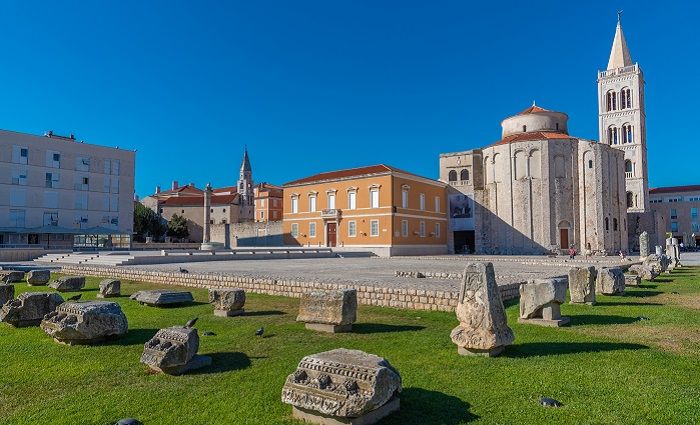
174,185
158,189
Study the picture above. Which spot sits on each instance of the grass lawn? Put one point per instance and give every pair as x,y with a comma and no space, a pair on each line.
606,368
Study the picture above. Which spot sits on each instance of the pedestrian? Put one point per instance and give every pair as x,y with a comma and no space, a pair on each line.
572,252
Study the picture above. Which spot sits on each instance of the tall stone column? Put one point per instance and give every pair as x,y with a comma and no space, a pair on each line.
206,237
644,245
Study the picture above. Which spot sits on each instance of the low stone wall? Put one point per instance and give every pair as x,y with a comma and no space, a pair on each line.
163,245
428,275
9,255
415,299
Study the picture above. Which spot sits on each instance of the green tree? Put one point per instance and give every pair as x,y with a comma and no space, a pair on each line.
147,223
177,227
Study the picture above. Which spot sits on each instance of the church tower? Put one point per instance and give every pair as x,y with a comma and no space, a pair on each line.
245,181
622,121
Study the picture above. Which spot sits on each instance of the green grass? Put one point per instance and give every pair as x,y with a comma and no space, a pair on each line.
606,368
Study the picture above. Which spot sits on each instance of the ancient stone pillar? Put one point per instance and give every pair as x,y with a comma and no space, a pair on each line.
644,245
206,226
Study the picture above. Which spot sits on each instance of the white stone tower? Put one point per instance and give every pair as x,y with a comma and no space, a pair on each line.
245,181
622,121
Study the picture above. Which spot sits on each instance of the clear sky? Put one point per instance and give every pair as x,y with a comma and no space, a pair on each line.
314,86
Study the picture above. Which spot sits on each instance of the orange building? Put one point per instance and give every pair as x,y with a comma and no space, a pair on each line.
381,208
268,202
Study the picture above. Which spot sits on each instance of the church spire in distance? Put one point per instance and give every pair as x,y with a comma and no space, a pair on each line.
620,54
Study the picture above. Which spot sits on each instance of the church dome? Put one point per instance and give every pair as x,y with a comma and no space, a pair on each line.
535,119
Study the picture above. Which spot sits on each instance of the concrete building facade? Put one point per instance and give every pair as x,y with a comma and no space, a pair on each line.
676,209
58,192
378,208
537,190
268,202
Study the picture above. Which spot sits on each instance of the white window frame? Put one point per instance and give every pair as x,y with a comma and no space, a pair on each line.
312,230
437,204
295,205
404,198
421,201
294,230
374,197
352,200
19,176
404,228
421,229
437,230
312,203
17,156
330,202
352,228
372,224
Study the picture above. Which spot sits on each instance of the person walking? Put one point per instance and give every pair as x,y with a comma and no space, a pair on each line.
572,252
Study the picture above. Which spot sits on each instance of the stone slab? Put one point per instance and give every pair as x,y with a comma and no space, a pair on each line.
555,323
38,277
163,297
229,313
325,327
367,419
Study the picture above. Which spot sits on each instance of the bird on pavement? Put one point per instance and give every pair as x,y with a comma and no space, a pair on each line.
184,270
260,332
191,322
74,297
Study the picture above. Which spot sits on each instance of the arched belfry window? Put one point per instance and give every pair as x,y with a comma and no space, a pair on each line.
612,135
629,168
464,174
627,133
524,129
452,176
611,101
630,200
625,98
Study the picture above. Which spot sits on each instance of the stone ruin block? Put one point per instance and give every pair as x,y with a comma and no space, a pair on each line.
342,387
11,276
611,281
540,302
87,322
328,311
7,293
632,279
109,288
174,351
644,245
38,277
162,297
582,285
29,308
644,271
227,302
68,283
483,328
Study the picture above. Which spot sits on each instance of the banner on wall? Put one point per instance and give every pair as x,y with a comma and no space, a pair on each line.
461,212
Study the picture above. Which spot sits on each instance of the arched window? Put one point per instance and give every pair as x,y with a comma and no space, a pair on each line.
611,101
615,224
627,133
612,135
452,176
629,168
606,224
464,174
625,98
630,200
524,129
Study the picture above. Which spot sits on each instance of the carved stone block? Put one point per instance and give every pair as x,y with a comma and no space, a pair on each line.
227,302
540,302
162,297
7,293
344,387
632,279
38,277
29,308
610,281
11,276
483,328
109,288
582,285
86,322
174,351
68,283
328,311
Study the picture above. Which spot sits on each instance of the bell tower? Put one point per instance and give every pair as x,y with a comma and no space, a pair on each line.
622,120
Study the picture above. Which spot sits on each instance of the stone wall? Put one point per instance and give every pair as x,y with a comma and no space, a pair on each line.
252,234
27,254
415,299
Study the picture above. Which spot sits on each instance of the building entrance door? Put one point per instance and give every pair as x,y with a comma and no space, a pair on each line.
331,231
564,238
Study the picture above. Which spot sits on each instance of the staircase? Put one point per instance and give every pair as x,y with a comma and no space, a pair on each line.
92,259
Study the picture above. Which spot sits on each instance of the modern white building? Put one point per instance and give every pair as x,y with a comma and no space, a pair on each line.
58,192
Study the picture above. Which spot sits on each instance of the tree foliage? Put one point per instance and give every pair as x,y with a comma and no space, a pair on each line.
147,223
177,227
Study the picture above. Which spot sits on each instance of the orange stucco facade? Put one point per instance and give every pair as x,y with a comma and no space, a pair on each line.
387,210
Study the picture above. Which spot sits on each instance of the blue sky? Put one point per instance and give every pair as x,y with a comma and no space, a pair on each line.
314,86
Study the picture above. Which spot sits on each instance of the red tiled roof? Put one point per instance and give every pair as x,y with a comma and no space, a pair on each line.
350,172
534,135
534,109
198,200
231,189
671,189
179,190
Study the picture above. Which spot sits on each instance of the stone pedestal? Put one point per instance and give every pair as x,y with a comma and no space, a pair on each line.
582,285
328,311
483,328
632,280
370,418
610,281
540,300
109,288
174,351
227,302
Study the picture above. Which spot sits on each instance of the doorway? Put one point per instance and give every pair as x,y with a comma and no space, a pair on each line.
564,238
331,233
464,242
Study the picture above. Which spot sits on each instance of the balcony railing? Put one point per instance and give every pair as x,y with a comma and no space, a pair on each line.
330,213
618,71
628,174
